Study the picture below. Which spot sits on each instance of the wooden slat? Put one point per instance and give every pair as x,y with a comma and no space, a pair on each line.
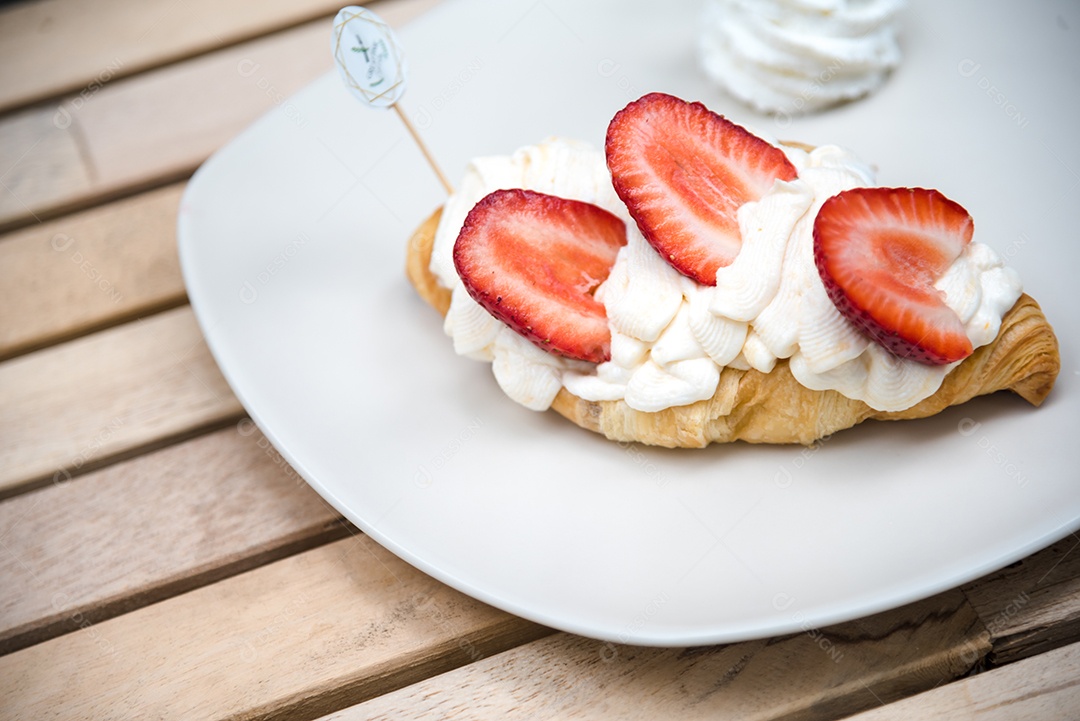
148,129
566,674
139,531
75,406
1043,688
305,635
90,270
1033,605
815,675
157,127
53,47
38,162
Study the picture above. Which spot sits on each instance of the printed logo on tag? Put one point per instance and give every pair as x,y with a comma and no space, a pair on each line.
368,56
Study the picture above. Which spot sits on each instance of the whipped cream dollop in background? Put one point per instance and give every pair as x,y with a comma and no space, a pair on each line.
670,336
795,56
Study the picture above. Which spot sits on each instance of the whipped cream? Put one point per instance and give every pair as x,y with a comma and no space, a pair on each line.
670,336
795,56
566,168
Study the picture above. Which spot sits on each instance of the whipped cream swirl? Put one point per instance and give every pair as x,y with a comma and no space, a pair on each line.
795,56
670,336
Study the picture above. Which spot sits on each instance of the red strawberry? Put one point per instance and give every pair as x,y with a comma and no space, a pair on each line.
879,252
683,171
534,261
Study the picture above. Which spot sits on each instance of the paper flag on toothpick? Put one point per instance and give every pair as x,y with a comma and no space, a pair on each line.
373,67
369,57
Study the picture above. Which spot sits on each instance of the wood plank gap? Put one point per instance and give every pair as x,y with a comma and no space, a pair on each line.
1043,687
62,279
47,341
827,673
309,634
221,501
97,196
89,75
105,396
159,126
508,634
73,618
1031,606
96,464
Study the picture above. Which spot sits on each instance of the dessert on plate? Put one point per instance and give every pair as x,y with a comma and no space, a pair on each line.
695,283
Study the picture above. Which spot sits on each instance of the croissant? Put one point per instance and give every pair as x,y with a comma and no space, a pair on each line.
773,407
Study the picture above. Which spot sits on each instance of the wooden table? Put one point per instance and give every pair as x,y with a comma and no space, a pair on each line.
158,559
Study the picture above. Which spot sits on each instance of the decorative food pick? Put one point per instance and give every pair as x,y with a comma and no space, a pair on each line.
373,67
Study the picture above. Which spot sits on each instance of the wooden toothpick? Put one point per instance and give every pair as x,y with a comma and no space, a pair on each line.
372,66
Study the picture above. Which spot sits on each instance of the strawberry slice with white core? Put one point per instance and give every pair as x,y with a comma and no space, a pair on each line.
535,260
683,172
879,252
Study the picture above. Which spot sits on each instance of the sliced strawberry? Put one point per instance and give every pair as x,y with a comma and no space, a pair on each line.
535,260
879,252
683,171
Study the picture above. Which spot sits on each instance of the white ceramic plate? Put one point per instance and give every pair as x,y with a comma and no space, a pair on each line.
293,239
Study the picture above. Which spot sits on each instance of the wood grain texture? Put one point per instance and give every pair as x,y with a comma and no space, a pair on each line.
88,271
183,516
201,580
1033,605
158,127
40,164
53,47
1043,688
73,407
149,129
306,635
822,674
